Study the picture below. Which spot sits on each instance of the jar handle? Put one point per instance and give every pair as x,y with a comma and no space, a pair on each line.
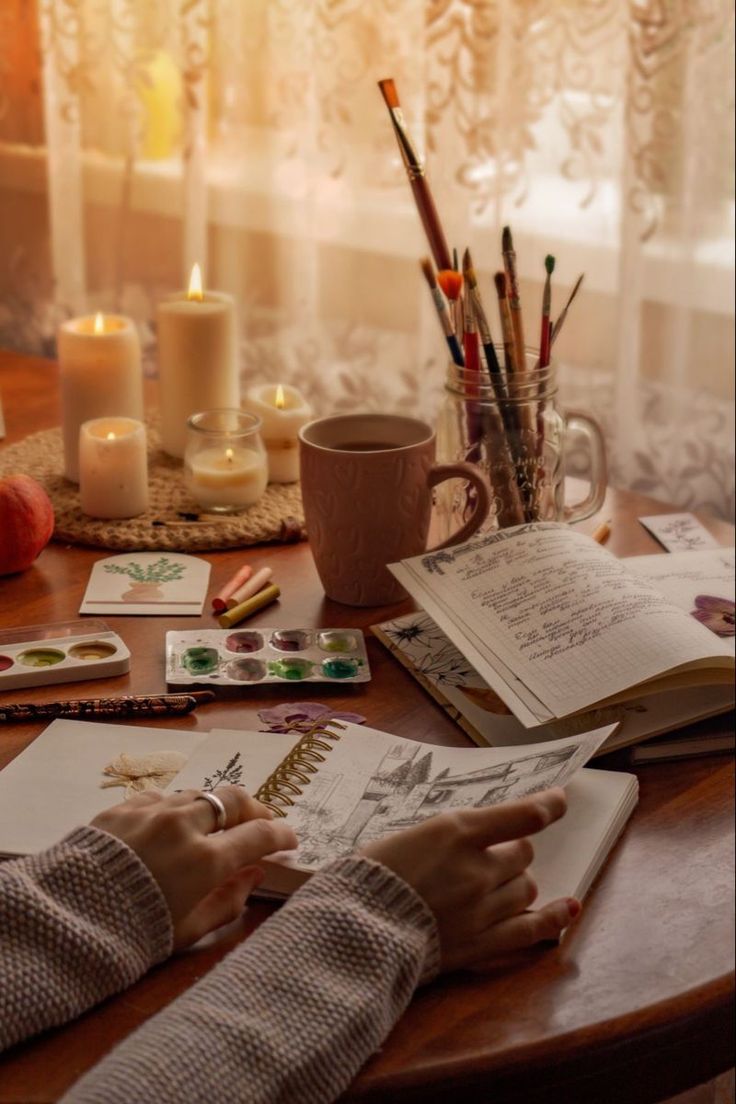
438,473
589,427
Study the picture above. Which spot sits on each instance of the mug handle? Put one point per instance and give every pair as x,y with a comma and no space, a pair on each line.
438,473
593,501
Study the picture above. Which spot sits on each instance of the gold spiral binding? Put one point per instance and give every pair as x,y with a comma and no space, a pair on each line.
292,773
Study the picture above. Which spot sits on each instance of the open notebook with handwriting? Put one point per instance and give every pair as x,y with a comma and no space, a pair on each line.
558,628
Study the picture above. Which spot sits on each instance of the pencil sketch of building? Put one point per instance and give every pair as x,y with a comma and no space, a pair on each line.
402,792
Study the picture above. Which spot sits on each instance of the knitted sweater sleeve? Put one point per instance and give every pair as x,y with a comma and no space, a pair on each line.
293,1012
78,922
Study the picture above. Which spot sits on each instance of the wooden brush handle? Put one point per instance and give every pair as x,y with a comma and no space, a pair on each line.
430,222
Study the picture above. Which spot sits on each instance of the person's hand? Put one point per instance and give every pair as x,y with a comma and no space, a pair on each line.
470,866
204,875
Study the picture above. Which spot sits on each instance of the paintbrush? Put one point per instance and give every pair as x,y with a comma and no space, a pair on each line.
470,340
451,282
545,338
514,299
507,329
417,178
443,313
494,368
563,314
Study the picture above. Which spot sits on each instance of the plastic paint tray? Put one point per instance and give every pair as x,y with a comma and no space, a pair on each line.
250,657
71,651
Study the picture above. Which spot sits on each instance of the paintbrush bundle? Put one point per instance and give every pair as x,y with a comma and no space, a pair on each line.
507,398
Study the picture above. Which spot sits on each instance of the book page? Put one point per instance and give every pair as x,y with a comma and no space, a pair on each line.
59,781
700,581
229,757
370,783
570,853
552,621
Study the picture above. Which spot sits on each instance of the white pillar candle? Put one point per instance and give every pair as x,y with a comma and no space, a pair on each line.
226,479
100,374
113,468
197,360
283,411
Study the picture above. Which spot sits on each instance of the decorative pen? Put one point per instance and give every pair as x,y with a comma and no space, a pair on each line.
154,705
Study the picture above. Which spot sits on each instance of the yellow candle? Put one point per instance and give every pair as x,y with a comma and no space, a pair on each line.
100,375
159,88
197,359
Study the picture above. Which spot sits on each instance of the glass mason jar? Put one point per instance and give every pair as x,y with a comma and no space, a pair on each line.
513,430
225,462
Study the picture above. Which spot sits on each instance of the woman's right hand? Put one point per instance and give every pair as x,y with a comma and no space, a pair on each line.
470,866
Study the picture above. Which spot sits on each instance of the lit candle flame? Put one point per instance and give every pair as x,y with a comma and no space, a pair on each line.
229,455
280,401
195,285
99,323
111,437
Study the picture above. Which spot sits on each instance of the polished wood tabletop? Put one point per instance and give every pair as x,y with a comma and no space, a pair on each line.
634,1005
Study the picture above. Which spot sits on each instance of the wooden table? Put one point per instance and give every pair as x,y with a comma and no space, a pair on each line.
637,1002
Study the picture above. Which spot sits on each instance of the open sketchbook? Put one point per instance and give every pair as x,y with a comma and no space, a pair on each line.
345,784
557,626
339,786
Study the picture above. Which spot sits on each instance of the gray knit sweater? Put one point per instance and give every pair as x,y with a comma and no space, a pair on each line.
290,1015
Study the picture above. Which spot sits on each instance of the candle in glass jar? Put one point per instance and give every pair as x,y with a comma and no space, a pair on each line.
225,468
231,477
197,359
113,468
99,375
283,411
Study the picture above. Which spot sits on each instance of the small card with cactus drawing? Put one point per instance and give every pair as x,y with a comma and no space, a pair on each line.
152,583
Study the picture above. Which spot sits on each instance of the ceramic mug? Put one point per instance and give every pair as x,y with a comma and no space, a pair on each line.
367,484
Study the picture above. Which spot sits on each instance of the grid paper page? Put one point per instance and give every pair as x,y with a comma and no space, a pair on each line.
561,613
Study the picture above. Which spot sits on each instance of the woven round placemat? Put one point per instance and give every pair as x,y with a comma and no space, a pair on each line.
173,520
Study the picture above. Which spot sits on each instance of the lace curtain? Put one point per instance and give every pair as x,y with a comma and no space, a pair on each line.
137,136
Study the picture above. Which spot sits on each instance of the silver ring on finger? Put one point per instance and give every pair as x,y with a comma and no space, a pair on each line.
217,805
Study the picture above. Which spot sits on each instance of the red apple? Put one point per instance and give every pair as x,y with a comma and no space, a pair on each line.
26,522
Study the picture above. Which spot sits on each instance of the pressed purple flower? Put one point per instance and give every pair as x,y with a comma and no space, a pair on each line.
295,715
717,614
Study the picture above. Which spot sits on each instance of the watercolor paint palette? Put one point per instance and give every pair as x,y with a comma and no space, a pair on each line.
71,651
249,657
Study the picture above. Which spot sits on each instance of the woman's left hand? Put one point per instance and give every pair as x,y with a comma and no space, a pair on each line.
205,875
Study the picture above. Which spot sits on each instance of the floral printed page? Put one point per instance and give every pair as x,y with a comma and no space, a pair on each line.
148,584
557,625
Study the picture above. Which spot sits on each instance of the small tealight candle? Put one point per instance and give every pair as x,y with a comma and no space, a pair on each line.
113,468
100,375
283,411
225,467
